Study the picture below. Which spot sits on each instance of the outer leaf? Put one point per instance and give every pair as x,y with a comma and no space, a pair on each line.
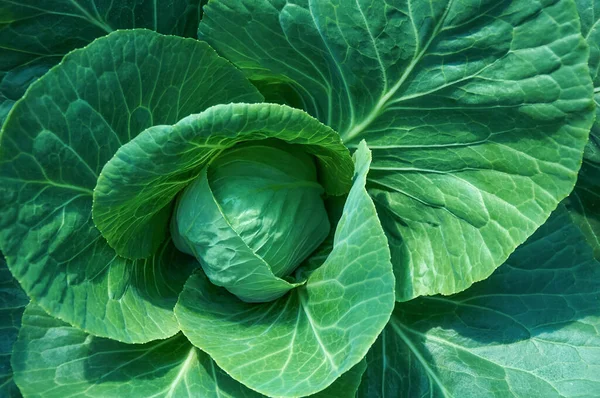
12,303
54,359
584,202
36,34
477,113
301,343
135,192
589,14
52,148
530,330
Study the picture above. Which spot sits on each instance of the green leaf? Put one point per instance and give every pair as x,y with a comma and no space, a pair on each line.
477,113
302,342
52,149
530,330
54,359
36,34
589,14
584,202
347,385
270,194
135,192
12,303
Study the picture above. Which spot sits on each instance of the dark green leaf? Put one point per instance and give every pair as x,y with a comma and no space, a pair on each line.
136,188
12,303
36,34
531,330
584,202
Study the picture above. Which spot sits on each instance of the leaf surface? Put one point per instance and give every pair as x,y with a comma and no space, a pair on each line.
12,304
530,330
36,34
477,113
584,202
301,343
52,149
54,359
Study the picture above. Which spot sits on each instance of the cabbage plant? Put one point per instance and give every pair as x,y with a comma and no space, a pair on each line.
253,198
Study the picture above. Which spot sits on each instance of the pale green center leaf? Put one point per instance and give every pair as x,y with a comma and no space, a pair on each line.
301,343
477,112
199,228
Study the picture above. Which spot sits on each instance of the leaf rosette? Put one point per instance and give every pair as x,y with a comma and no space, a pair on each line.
156,193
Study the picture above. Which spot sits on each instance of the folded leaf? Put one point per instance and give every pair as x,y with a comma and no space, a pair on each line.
225,258
301,343
135,192
52,149
532,329
477,113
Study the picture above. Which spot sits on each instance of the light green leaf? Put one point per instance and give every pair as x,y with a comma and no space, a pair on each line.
36,34
347,385
477,113
270,193
302,342
531,330
53,147
225,257
54,359
584,202
135,192
12,303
